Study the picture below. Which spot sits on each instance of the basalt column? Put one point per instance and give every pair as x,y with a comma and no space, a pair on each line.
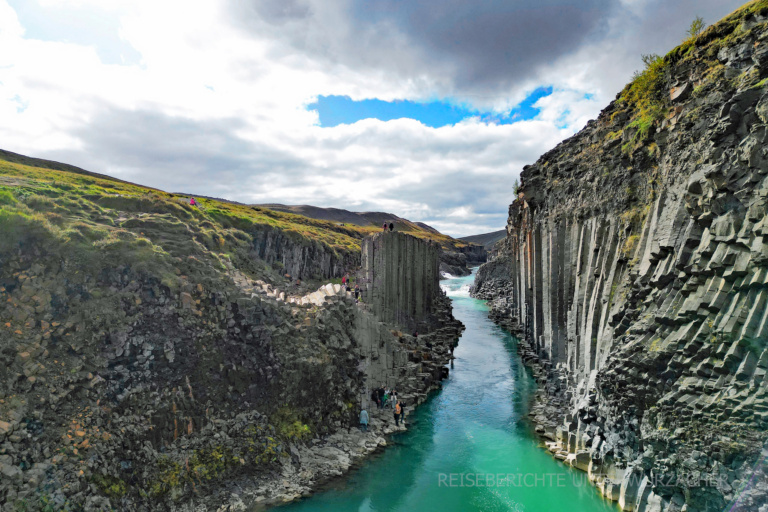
401,279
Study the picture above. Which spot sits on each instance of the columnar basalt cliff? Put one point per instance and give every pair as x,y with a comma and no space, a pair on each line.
156,357
401,277
635,272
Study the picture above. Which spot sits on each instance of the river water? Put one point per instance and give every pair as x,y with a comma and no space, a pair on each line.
469,447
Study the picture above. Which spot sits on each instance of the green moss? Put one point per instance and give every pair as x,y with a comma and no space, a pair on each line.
628,248
110,486
169,477
289,426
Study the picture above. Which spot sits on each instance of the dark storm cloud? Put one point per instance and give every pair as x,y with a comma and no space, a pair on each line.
480,45
491,43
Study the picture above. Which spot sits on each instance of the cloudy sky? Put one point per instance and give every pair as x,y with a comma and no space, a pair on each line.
425,109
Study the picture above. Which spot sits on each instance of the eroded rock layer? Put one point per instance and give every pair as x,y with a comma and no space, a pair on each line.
635,270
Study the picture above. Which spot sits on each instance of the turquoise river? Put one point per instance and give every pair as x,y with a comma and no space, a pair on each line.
470,446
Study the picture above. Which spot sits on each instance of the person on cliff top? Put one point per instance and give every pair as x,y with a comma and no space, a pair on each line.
396,413
364,420
192,201
391,226
384,227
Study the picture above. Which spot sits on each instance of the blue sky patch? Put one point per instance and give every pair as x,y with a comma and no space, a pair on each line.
336,110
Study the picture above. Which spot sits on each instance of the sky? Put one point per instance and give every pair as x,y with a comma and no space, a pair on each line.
425,109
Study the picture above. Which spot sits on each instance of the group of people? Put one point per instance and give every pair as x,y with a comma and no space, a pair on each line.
385,398
391,226
346,283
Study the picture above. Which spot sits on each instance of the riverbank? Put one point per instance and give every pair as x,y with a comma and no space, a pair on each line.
462,438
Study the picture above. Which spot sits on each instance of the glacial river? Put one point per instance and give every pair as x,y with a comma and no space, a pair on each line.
470,446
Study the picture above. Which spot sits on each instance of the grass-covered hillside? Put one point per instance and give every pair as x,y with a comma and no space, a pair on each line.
94,219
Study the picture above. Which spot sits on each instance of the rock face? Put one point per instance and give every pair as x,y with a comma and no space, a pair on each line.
401,279
635,271
124,389
301,260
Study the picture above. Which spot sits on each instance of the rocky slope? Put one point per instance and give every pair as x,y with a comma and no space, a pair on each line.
160,356
635,272
487,240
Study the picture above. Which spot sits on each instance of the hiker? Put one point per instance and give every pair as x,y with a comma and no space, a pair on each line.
391,226
402,412
344,282
380,395
396,414
357,293
192,201
394,398
364,420
375,397
385,399
347,281
384,227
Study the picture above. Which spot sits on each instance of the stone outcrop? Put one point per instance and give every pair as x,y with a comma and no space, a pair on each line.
635,272
400,277
299,257
124,389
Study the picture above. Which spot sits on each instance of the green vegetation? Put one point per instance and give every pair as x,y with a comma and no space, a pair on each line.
92,222
289,426
646,97
211,463
110,486
697,26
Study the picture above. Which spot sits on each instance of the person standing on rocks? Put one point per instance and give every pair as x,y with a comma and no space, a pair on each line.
357,293
384,227
398,410
393,396
380,395
391,226
364,420
402,412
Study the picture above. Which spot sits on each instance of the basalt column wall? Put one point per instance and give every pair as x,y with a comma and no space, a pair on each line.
401,279
635,273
